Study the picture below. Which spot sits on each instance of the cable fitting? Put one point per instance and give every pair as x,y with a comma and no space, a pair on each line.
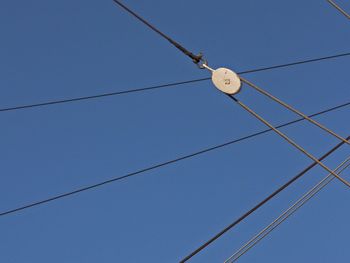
199,60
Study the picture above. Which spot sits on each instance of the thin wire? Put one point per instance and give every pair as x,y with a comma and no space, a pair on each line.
195,58
267,94
100,95
297,146
294,63
260,204
286,214
249,245
83,189
339,8
97,96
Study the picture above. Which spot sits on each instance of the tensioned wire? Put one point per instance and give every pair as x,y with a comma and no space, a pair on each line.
269,95
195,58
286,214
198,58
341,10
163,86
290,141
163,164
260,204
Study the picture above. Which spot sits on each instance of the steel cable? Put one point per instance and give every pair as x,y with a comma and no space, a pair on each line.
195,58
144,170
290,141
341,10
267,94
260,204
163,86
286,214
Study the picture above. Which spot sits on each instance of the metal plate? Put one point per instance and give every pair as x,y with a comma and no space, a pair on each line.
226,80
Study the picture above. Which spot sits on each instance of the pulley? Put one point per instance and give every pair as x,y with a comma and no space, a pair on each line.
225,80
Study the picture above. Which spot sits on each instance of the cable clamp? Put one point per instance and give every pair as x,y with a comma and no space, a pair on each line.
200,61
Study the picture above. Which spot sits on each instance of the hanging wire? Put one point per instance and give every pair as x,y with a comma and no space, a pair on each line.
341,10
102,95
296,63
195,58
260,204
286,214
159,165
163,86
294,110
288,139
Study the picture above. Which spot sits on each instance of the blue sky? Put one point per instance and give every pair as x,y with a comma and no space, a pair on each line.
62,49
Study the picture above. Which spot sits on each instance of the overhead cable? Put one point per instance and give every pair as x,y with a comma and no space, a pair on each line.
290,141
260,204
341,10
286,214
162,86
144,170
195,58
98,96
316,123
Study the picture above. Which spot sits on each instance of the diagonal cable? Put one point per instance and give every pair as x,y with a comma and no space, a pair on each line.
290,141
341,10
267,94
102,95
260,204
167,85
286,214
159,165
195,58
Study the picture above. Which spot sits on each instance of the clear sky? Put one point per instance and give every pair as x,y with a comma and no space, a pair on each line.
61,49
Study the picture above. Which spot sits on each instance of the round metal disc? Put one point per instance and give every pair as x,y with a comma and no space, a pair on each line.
226,80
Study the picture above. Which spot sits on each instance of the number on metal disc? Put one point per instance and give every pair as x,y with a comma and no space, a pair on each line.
226,80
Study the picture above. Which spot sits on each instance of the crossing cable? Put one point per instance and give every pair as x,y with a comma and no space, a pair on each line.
286,214
167,85
159,165
260,204
341,10
290,141
262,91
195,58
